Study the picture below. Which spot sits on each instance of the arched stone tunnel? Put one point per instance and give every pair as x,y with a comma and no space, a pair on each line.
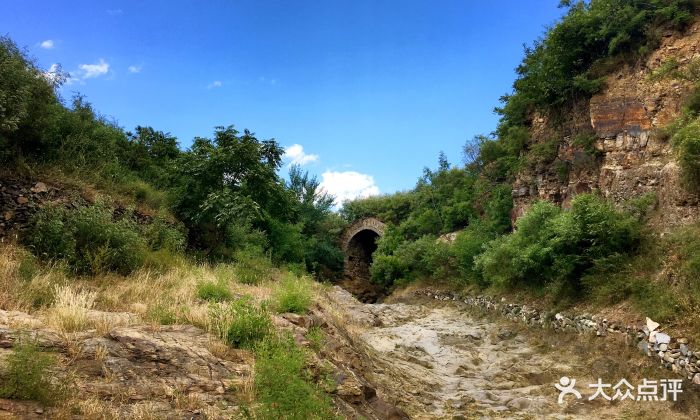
359,243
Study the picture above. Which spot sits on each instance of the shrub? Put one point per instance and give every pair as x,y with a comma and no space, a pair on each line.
252,266
687,143
316,337
88,239
248,323
162,314
213,291
554,246
543,153
283,387
423,258
293,294
28,375
163,235
28,267
466,247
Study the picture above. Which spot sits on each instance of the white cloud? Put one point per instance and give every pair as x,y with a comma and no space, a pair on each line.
348,185
47,45
94,70
54,73
135,69
215,84
296,155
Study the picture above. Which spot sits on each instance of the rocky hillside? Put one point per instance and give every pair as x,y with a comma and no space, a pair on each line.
630,155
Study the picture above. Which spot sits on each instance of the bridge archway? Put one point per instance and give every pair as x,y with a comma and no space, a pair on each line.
359,243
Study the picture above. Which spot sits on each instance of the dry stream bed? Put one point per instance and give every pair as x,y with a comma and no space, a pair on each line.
438,360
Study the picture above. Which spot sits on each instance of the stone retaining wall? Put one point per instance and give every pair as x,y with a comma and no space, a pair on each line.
672,353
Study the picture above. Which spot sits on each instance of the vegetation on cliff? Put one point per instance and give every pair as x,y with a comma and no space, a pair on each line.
577,253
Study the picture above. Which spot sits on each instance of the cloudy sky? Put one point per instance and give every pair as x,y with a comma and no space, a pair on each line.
362,93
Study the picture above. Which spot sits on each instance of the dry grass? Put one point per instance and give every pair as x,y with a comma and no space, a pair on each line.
70,310
161,298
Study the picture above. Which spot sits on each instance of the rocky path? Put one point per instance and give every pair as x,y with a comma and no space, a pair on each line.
435,361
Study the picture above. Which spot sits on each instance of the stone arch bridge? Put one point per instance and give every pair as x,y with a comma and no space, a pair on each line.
359,241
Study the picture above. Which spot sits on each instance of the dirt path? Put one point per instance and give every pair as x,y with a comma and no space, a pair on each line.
437,361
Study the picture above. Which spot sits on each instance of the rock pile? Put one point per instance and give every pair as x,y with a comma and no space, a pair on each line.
672,353
19,199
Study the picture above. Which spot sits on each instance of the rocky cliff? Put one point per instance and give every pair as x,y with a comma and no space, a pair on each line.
629,155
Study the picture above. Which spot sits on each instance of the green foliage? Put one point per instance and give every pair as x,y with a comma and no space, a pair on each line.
213,291
88,239
688,240
634,277
161,234
28,374
316,337
686,141
293,294
28,102
669,68
226,191
28,267
544,153
467,246
283,387
551,246
248,324
569,61
409,260
251,266
230,180
162,314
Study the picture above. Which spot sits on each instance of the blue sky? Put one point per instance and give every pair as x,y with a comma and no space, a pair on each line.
367,92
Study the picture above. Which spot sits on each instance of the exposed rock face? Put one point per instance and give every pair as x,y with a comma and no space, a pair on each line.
634,158
19,199
135,364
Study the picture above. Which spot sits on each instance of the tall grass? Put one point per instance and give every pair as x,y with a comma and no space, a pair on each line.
70,310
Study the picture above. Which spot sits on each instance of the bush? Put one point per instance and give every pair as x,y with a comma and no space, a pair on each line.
163,235
553,246
28,375
213,291
248,323
544,153
283,387
293,294
410,260
252,267
88,239
687,143
28,267
466,247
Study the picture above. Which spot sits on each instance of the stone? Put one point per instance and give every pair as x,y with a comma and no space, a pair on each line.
651,325
684,349
644,347
21,200
663,338
8,215
682,340
613,116
40,187
663,347
696,379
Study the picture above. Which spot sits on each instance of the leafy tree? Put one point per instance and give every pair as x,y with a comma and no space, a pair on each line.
230,180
